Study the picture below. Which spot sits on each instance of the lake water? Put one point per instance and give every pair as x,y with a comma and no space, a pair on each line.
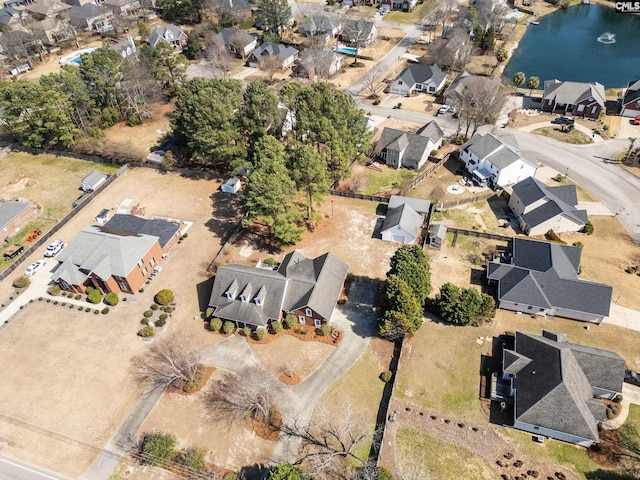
565,46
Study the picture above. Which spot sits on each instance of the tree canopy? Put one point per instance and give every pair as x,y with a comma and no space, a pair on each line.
275,14
412,265
401,312
463,306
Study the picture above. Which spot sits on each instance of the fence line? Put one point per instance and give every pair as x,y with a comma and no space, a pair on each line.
360,196
427,173
78,206
476,233
234,231
465,201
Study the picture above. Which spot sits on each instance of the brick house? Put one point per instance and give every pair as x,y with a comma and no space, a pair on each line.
631,100
578,99
13,216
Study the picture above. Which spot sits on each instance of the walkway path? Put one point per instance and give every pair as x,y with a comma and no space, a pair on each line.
579,127
623,317
630,394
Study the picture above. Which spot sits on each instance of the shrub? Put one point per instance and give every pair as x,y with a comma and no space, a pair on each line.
386,376
141,290
578,244
276,327
208,312
230,476
161,322
78,297
246,331
228,327
148,314
144,321
597,447
105,310
146,331
96,312
290,321
270,261
446,420
460,425
80,307
21,282
56,302
588,228
159,447
325,329
215,324
64,304
189,387
618,398
88,309
163,316
94,296
260,333
164,297
153,307
111,299
48,301
71,305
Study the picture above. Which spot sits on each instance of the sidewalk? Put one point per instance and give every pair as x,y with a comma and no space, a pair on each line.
623,317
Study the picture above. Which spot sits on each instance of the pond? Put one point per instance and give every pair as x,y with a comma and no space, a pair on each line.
585,43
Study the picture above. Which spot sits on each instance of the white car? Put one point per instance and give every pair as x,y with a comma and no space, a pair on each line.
54,248
34,267
443,109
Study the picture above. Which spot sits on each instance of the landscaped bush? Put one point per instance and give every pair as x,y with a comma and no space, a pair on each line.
193,457
588,228
144,321
64,304
78,296
158,447
228,327
105,310
270,261
208,312
597,447
164,297
290,321
88,309
215,324
141,290
96,312
230,476
146,332
21,282
163,316
276,327
56,302
260,333
161,322
386,376
94,296
111,299
154,307
189,387
325,329
148,314
80,308
578,244
618,398
246,331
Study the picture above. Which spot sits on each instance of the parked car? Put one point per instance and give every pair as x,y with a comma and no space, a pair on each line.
443,109
636,121
34,268
54,248
563,121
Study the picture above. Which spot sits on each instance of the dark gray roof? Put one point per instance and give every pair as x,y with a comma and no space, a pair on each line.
432,130
7,14
418,204
466,80
632,93
405,217
281,51
299,282
419,73
238,36
162,229
544,275
413,144
86,12
357,28
573,92
318,22
94,177
554,382
495,150
10,210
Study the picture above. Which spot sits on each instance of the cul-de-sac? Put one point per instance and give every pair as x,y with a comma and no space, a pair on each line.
319,239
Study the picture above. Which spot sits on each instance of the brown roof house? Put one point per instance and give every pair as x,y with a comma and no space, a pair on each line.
573,98
556,387
48,8
236,41
13,216
307,288
117,257
631,100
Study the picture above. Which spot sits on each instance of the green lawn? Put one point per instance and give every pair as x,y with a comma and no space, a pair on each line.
436,458
413,17
374,181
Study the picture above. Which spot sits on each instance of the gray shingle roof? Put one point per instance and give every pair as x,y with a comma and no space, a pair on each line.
162,229
632,93
544,275
9,211
438,230
238,36
491,148
418,204
432,130
466,80
573,92
164,32
405,217
82,13
318,23
281,51
414,145
554,382
418,73
299,282
47,7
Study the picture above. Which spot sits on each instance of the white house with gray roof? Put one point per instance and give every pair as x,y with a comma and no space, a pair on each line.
405,149
169,34
573,98
404,220
419,78
494,161
541,278
540,208
307,288
556,387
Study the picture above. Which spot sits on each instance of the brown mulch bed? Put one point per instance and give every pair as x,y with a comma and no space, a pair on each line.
611,451
268,431
306,333
290,378
206,375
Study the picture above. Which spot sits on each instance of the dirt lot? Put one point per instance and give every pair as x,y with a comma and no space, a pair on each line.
89,359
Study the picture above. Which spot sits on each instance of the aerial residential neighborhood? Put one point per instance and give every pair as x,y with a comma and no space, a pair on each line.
309,239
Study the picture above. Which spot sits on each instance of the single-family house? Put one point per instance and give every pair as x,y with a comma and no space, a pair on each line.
119,256
358,32
237,9
307,288
405,149
318,63
51,30
419,78
13,216
169,34
10,16
540,208
126,47
494,161
403,5
573,98
231,185
454,49
123,7
465,82
237,41
91,17
437,235
631,100
541,278
286,54
92,181
404,220
41,9
557,387
320,24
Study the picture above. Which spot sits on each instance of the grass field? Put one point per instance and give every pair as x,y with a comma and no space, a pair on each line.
574,137
419,452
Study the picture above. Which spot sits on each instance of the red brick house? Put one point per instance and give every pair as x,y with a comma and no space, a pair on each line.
573,98
631,100
119,256
13,216
307,288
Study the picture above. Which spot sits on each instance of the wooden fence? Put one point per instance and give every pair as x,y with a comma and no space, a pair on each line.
465,201
476,233
360,196
427,173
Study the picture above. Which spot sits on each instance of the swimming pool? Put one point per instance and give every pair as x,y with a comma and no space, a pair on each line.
75,58
347,50
514,15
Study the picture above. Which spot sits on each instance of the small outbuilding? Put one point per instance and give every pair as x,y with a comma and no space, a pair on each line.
156,157
231,185
437,234
402,225
93,181
13,216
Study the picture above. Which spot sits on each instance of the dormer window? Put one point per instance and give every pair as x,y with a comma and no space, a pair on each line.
257,301
260,296
232,291
168,35
245,295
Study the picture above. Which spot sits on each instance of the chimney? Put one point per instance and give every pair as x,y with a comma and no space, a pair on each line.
556,337
130,41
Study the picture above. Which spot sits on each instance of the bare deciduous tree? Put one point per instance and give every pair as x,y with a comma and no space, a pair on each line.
270,64
373,81
167,362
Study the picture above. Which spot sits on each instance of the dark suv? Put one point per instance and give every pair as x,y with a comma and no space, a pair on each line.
563,121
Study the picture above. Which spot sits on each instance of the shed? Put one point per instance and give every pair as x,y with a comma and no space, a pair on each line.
231,185
13,216
156,157
437,234
92,181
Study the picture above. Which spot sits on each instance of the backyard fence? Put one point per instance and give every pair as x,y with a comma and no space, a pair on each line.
476,233
465,201
77,207
427,173
234,231
362,279
360,196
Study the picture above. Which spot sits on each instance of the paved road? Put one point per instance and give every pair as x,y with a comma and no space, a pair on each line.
12,469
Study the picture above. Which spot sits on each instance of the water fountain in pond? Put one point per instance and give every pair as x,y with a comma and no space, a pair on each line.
607,38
